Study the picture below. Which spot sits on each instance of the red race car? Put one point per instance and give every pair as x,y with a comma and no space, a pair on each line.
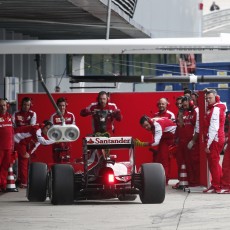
98,175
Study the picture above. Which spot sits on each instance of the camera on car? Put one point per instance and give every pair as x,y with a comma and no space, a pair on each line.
64,133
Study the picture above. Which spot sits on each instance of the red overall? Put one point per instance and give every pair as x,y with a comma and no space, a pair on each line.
103,118
62,150
6,146
214,133
163,131
22,118
28,136
189,156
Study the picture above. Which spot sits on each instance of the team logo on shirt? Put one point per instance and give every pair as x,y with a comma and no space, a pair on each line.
57,119
20,118
28,118
68,119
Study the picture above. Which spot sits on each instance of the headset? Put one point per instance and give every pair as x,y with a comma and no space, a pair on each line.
217,98
187,91
190,102
195,94
166,99
103,93
213,91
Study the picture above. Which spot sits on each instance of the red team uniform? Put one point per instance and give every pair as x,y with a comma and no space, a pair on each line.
215,138
170,115
163,131
6,147
167,113
103,118
189,157
28,136
20,119
62,151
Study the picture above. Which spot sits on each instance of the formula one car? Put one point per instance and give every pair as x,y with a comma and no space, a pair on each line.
98,175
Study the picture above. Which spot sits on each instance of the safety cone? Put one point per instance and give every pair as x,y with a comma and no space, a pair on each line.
11,187
183,177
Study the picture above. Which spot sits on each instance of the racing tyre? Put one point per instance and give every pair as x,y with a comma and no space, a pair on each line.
62,184
153,183
37,182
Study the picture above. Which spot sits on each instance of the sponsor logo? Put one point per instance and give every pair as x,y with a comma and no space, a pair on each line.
57,119
111,140
20,118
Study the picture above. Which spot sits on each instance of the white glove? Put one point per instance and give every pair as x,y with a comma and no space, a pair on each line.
190,144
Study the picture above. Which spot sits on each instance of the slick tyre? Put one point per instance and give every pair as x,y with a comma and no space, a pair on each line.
152,183
62,184
37,182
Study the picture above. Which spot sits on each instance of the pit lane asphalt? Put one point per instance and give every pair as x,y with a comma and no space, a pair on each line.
180,210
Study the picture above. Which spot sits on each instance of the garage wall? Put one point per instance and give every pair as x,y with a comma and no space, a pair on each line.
132,106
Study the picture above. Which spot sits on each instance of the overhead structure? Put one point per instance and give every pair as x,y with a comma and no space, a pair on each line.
150,79
69,19
118,46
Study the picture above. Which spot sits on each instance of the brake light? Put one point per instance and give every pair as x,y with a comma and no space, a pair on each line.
110,178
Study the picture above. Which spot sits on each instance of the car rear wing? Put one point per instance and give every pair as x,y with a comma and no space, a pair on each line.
108,142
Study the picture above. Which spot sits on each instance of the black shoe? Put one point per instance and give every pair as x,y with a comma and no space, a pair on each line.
3,190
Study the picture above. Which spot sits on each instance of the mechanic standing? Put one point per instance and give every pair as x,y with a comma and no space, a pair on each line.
62,150
163,131
6,143
32,135
214,137
163,111
104,113
188,143
23,117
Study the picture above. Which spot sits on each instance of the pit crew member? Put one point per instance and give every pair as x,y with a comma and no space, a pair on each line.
214,137
188,145
103,113
163,131
62,151
6,143
23,117
32,135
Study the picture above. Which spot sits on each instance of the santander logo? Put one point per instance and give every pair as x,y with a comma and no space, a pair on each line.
106,140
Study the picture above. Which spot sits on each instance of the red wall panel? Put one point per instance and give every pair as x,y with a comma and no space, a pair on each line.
132,106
